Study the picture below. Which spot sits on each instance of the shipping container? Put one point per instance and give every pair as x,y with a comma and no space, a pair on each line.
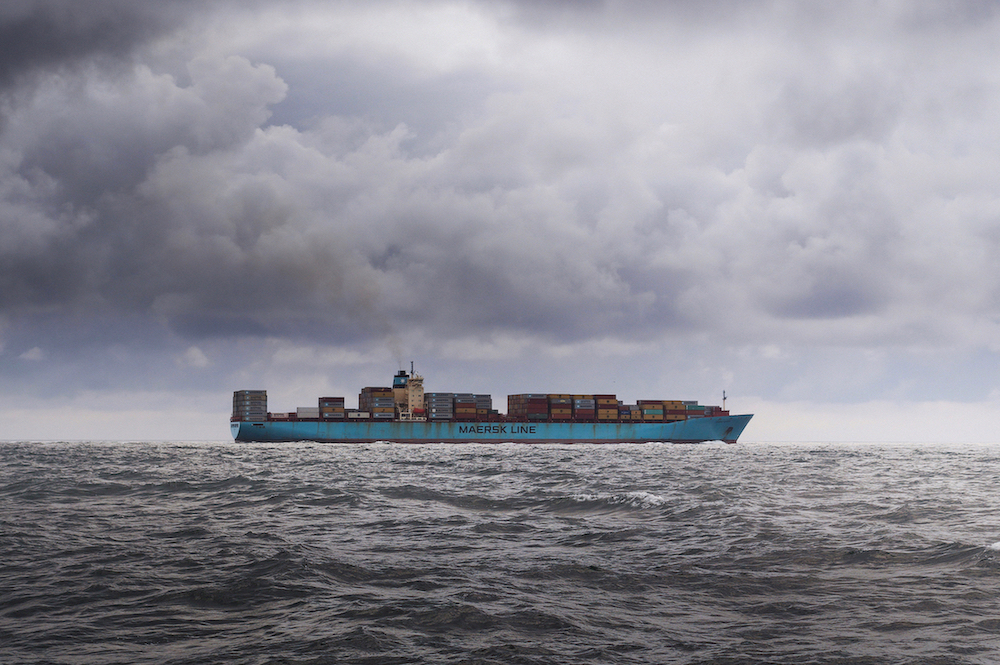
331,401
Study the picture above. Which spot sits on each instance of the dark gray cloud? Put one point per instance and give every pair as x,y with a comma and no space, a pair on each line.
40,34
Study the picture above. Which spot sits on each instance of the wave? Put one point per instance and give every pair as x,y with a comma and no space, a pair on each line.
639,500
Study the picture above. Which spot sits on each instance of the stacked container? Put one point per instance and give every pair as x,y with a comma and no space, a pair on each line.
695,410
629,412
439,406
484,407
652,409
332,408
584,407
307,412
712,411
560,407
250,405
607,407
465,406
528,406
379,402
674,410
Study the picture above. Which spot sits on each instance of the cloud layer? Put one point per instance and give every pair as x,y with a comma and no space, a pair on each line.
788,191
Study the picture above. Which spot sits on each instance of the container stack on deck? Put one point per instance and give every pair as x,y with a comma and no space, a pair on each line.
459,406
332,408
601,409
379,402
560,408
307,412
584,408
484,408
528,407
607,407
465,406
439,406
384,403
250,405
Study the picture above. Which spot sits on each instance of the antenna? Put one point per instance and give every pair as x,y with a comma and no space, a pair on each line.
723,400
411,368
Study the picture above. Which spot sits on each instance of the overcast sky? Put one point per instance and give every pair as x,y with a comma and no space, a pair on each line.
797,203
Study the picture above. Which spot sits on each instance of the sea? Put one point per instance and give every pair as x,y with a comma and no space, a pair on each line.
307,554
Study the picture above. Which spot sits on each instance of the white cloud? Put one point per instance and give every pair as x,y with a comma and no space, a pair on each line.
33,354
194,357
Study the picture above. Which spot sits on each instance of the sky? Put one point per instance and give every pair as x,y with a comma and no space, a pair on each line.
795,203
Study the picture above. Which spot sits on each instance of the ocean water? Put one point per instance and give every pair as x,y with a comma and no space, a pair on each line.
315,553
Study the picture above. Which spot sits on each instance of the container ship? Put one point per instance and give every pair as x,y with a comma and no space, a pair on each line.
404,413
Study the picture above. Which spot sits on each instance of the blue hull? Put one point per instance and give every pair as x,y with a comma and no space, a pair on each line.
694,430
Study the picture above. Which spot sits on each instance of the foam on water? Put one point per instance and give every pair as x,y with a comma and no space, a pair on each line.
633,499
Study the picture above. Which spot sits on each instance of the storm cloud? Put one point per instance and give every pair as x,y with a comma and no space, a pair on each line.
39,35
781,191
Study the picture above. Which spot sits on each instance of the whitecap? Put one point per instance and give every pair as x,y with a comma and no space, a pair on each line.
644,499
636,499
994,546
